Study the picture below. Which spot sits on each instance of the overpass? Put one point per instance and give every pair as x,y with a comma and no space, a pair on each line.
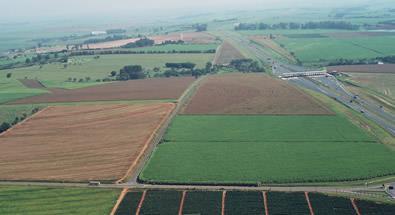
303,74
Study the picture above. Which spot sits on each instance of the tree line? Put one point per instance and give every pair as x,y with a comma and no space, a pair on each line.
293,25
143,42
109,52
342,61
5,125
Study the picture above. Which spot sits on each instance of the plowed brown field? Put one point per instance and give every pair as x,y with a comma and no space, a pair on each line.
147,89
238,93
30,83
226,53
80,143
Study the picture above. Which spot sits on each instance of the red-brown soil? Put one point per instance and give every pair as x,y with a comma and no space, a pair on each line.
80,143
226,53
238,93
371,68
30,83
145,89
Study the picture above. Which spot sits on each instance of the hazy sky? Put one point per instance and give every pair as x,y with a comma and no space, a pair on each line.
43,8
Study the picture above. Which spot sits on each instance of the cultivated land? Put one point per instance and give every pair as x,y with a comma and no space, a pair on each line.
14,89
269,149
43,200
323,49
56,76
144,89
226,53
238,93
80,143
209,202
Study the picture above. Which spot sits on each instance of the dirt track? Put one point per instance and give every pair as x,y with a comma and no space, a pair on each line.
147,89
80,143
239,93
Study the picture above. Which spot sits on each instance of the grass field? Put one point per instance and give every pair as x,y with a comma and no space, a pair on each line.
54,75
20,200
315,50
269,149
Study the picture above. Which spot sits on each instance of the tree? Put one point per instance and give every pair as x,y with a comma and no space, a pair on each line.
113,73
27,61
209,67
9,75
4,127
131,72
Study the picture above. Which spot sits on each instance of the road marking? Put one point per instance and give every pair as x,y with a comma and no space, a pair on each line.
141,203
223,202
354,205
265,202
306,194
184,193
119,200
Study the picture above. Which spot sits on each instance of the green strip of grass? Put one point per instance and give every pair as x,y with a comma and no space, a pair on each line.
44,200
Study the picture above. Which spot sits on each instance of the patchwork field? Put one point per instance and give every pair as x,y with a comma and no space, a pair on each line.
63,201
238,202
144,89
188,37
269,149
238,93
80,143
56,76
226,53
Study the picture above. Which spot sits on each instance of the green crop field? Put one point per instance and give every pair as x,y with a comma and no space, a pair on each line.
287,203
239,202
43,200
269,149
314,50
263,128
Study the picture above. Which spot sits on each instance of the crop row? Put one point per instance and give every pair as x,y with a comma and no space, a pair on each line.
239,202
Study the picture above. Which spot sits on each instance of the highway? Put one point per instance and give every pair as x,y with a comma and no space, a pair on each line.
325,84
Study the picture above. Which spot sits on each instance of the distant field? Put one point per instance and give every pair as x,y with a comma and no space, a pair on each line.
372,68
323,49
144,89
268,43
226,53
242,202
238,93
9,112
178,47
55,75
63,201
269,149
80,143
188,37
380,83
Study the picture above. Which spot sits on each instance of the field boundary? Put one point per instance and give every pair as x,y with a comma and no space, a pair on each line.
146,144
306,194
140,205
24,121
264,193
354,205
119,200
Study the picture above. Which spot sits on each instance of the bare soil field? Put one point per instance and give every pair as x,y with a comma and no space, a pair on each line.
80,143
271,44
238,93
146,89
226,53
30,83
188,37
371,68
